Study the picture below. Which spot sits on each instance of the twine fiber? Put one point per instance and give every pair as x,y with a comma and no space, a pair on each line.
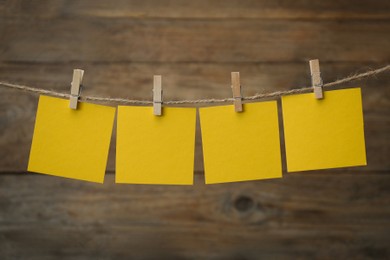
110,100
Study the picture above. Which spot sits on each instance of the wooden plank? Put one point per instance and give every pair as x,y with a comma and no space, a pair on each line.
201,9
193,80
330,214
304,216
190,81
122,40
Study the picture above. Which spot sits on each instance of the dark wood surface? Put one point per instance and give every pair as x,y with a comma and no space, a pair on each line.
340,213
322,215
315,216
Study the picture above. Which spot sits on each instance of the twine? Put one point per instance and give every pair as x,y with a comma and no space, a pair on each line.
369,73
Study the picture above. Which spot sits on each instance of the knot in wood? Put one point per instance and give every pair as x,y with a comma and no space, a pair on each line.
244,203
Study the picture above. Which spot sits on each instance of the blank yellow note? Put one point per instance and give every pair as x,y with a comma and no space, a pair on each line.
71,143
241,146
155,149
326,133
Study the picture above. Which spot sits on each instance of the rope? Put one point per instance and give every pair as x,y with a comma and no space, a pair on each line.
197,101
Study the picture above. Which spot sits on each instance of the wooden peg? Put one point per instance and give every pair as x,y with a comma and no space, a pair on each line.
76,87
157,95
236,88
316,79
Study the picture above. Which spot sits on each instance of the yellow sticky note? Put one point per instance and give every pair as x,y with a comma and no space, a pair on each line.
241,146
155,149
325,133
71,143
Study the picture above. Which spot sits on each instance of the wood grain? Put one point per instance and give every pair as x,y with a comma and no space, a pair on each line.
65,40
193,80
194,45
200,9
305,216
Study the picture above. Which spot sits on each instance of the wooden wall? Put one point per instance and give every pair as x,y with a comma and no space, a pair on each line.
328,214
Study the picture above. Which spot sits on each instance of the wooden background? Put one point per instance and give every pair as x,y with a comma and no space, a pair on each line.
327,214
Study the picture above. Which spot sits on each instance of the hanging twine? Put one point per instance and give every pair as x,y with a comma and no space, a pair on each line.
370,73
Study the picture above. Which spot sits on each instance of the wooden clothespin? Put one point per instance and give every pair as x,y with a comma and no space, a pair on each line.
316,79
157,95
236,88
76,87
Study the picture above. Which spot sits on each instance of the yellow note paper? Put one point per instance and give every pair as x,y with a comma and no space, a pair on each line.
155,149
241,146
325,133
71,143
